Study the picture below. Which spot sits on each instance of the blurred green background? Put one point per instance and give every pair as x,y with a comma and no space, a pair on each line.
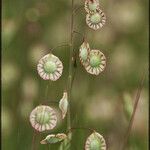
30,28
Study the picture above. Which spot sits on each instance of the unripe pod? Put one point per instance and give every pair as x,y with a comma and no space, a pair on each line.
95,142
50,67
43,118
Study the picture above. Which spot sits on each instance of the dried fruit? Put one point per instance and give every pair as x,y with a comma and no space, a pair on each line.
50,67
96,63
84,52
43,118
95,142
96,20
91,6
63,104
54,138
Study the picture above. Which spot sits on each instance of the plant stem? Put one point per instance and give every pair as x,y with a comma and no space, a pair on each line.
70,66
137,98
79,34
81,128
66,145
62,45
33,141
78,8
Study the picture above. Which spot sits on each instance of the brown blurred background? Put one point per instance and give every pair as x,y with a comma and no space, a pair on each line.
30,28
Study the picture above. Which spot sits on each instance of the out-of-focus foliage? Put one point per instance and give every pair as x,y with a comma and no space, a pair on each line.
31,28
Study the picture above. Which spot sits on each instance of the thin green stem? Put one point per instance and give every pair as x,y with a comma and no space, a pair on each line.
33,141
80,128
48,147
46,91
66,145
78,8
70,66
62,45
137,98
79,34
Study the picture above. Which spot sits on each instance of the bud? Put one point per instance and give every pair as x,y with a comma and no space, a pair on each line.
54,138
84,52
63,104
96,20
95,142
91,6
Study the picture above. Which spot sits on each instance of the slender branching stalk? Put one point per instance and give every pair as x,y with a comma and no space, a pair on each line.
66,145
70,65
33,141
59,46
137,98
78,8
80,128
79,34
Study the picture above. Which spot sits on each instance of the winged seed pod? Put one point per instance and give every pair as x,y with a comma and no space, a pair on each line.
43,118
50,67
84,52
63,104
91,6
96,20
54,138
95,142
96,63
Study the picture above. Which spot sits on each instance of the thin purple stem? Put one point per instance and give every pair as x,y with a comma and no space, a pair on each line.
137,98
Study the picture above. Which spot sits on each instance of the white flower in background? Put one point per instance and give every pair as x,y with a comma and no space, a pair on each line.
63,104
95,142
50,67
91,6
10,74
96,63
84,52
43,118
96,20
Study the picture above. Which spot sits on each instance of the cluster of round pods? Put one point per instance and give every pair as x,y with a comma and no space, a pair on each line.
94,61
50,67
95,17
44,118
94,141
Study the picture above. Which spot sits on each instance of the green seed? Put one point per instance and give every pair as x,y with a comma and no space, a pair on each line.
53,140
92,6
95,145
43,117
84,54
95,61
96,18
50,67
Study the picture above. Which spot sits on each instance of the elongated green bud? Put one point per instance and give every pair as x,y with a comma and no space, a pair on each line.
63,104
